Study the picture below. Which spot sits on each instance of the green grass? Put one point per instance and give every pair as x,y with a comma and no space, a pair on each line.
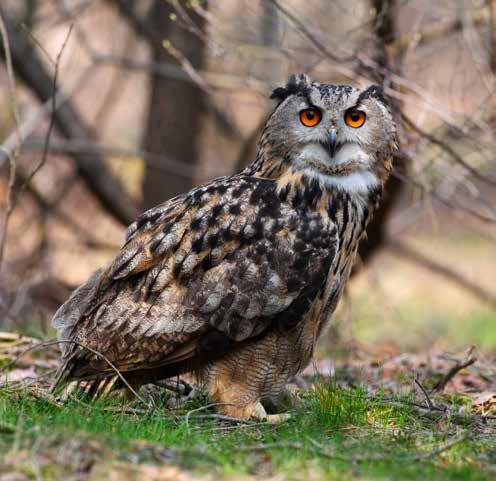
337,431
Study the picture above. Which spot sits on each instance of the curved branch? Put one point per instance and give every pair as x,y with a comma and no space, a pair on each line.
71,125
408,253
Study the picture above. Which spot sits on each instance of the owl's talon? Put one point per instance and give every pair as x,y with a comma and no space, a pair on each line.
260,414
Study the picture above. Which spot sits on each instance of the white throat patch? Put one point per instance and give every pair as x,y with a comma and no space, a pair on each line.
360,182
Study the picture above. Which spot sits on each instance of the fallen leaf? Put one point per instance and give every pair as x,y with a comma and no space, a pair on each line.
485,403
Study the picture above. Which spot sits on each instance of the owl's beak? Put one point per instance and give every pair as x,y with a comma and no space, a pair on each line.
332,141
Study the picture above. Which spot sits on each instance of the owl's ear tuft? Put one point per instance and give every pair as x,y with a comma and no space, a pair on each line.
374,91
296,84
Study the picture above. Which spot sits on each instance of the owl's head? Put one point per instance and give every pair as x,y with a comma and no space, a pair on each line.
340,134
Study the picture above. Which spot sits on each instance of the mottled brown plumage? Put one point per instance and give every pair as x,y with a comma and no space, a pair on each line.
236,279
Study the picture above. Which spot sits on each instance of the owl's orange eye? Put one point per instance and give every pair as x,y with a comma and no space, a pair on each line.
310,117
354,118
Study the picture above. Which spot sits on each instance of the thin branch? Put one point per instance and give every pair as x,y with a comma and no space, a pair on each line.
408,253
201,408
187,66
364,65
492,24
190,74
51,124
159,162
454,206
10,78
11,156
430,404
34,118
85,237
437,30
81,345
309,35
93,170
214,80
439,387
448,149
229,419
9,203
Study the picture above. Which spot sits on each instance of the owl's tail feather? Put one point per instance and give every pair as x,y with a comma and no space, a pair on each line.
92,389
70,313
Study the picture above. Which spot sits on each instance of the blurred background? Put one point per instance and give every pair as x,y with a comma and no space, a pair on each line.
108,107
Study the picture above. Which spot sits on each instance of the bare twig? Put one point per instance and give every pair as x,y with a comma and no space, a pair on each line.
93,170
37,43
237,426
492,4
52,116
202,408
11,78
438,30
309,35
230,419
408,253
79,344
146,31
188,416
85,236
13,156
187,66
439,387
424,392
159,162
266,446
9,203
214,80
448,149
458,206
36,116
435,412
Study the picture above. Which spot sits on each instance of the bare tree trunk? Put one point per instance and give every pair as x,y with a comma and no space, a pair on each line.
386,34
493,35
175,107
270,71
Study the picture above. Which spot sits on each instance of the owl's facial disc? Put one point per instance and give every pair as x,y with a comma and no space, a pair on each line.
337,133
337,148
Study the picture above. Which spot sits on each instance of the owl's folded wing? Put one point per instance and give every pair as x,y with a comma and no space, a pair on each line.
200,275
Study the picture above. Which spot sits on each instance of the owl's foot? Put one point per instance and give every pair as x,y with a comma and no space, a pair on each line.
254,411
287,400
258,412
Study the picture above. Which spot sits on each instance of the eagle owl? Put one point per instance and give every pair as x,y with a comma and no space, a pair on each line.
236,279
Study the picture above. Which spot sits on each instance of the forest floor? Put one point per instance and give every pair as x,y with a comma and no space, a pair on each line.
409,417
